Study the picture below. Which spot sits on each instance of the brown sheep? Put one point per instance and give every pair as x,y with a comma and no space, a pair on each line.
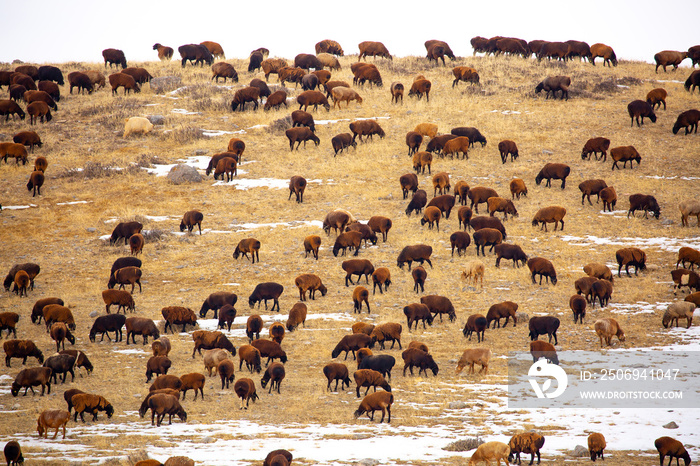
499,204
645,203
244,95
254,325
343,94
59,333
396,90
225,370
277,332
140,75
359,295
366,72
36,181
590,187
124,80
245,390
444,203
57,313
157,365
193,381
348,239
205,339
40,164
464,215
640,108
409,182
164,53
370,378
30,378
216,301
431,216
466,74
164,382
21,349
496,312
311,244
162,404
213,357
439,305
609,198
595,145
13,453
362,327
419,253
214,48
297,185
583,286
475,323
426,129
551,214
527,442
274,375
508,147
82,81
331,47
302,118
342,141
420,87
330,85
315,98
441,183
276,99
297,315
630,256
38,309
461,191
136,242
604,51
596,445
669,57
329,61
553,84
40,96
461,241
251,356
83,402
271,350
688,120
457,145
273,66
114,57
357,267
577,303
299,135
178,315
338,372
486,237
672,448
542,267
226,166
389,331
382,277
437,144
21,283
140,326
352,343
378,401
366,128
224,70
656,97
9,107
27,138
373,49
128,275
337,220
542,349
52,419
309,282
14,150
380,224
690,255
479,195
227,314
598,270
38,111
95,80
606,329
248,245
473,356
678,310
8,321
557,171
190,219
124,230
624,154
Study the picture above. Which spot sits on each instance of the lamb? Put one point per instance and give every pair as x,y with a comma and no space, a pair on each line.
382,277
161,404
205,339
473,356
216,301
542,267
419,253
128,275
265,292
245,246
178,315
590,187
409,182
542,349
223,70
106,324
157,365
379,401
498,311
297,185
246,94
348,239
299,135
352,343
527,442
357,267
474,269
92,404
552,214
137,125
678,310
543,325
466,74
687,120
27,138
251,356
338,372
140,326
577,303
51,419
485,237
59,333
630,256
342,141
553,84
271,350
124,80
596,445
624,154
686,254
38,309
639,108
479,195
609,198
508,147
595,145
607,328
557,171
253,326
57,313
366,128
432,216
274,375
672,448
193,381
245,390
9,107
114,57
417,312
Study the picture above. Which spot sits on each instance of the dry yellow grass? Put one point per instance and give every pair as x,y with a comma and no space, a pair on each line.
183,270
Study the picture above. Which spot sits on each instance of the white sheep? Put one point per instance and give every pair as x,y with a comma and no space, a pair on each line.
213,357
473,356
678,310
606,329
329,60
688,208
474,269
137,125
490,451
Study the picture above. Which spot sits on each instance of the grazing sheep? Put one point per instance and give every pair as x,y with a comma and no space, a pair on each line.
30,378
604,51
128,275
276,99
418,201
338,372
437,144
38,309
557,171
486,237
36,181
630,256
270,349
57,313
13,453
137,125
464,216
687,120
21,282
415,357
38,111
227,314
389,331
136,243
161,404
542,349
347,239
475,270
606,329
216,301
106,324
396,90
596,445
380,224
164,53
225,369
508,147
420,87
9,107
678,310
59,333
644,202
553,84
124,80
83,402
669,57
382,277
473,356
214,48
274,375
368,378
362,327
357,267
672,448
140,326
590,187
552,214
359,295
609,198
297,185
213,357
8,321
595,145
366,128
157,365
299,135
693,80
543,325
656,97
479,195
439,305
601,289
461,191
277,332
51,419
378,401
639,108
341,142
461,241
343,94
499,204
244,95
382,363
61,364
416,312
27,138
441,183
688,208
311,244
14,150
224,70
329,61
206,339
245,246
245,390
686,254
510,251
39,96
352,343
624,154
277,456
161,346
498,311
124,230
419,253
193,381
475,323
314,98
542,267
95,79
251,356
431,216
178,315
114,57
190,219
466,74
598,270
527,442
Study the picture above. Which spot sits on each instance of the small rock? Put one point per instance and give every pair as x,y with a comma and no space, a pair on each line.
522,317
165,84
156,119
91,230
580,452
457,405
547,152
464,445
182,173
94,314
671,425
208,440
667,221
201,152
367,462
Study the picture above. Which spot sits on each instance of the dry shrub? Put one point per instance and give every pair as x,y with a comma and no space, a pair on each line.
155,234
280,125
185,134
464,445
92,170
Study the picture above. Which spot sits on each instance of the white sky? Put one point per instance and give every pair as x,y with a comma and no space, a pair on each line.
80,30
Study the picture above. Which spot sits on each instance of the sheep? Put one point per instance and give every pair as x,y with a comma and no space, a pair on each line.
225,369
382,363
59,333
14,150
37,310
508,147
553,84
542,349
205,339
27,138
193,381
124,230
297,185
656,97
475,270
360,294
265,292
604,51
352,343
624,154
609,198
694,298
389,331
40,96
83,402
366,72
378,401
341,94
57,313
499,204
224,70
485,237
161,404
678,310
498,311
348,239
299,135
21,282
272,66
106,324
213,357
437,144
302,118
329,61
644,202
527,442
190,219
686,254
330,47
408,182
245,390
596,445
8,321
369,378
245,246
136,243
214,48
81,360
380,224
396,89
341,142
461,191
276,99
253,326
543,325
578,305
140,326
330,85
251,356
542,267
124,80
38,111
687,120
431,216
366,128
216,301
114,57
362,327
315,98
439,305
311,244
373,49
475,323
271,350
227,314
414,357
164,53
595,145
479,195
31,377
50,73
466,74
274,375
338,372
178,315
607,328
157,365
417,312
128,275
9,107
461,241
137,125
557,171
419,253
551,214
669,57
464,215
246,94
382,277
590,187
274,454
693,80
276,332
672,448
13,453
357,267
95,79
51,419
473,356
418,201
639,108
140,75
61,364
630,256
510,251
420,87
